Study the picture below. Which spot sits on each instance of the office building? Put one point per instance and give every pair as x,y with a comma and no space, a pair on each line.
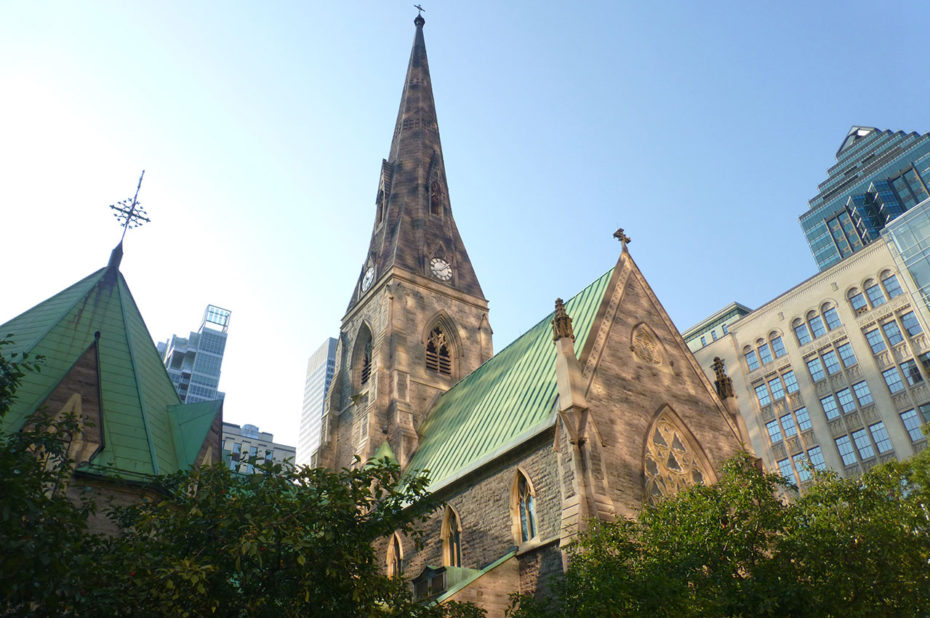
834,372
320,370
878,175
194,362
246,448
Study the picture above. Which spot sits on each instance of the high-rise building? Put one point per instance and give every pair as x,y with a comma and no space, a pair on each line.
194,362
878,175
320,370
246,449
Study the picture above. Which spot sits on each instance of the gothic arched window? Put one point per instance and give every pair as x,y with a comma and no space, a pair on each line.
523,507
395,557
672,462
451,539
438,353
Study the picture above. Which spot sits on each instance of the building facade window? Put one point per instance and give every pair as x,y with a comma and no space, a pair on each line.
847,355
913,423
831,317
863,444
830,408
892,287
911,372
880,436
911,324
863,394
815,367
787,423
803,418
876,342
765,353
803,467
801,332
816,324
845,447
857,300
762,394
752,360
875,294
778,346
774,432
816,458
893,380
847,403
784,466
893,333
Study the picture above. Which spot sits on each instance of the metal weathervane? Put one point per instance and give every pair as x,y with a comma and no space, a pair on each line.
130,213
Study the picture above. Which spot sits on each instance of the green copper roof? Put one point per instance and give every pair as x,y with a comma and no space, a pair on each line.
510,395
146,429
385,452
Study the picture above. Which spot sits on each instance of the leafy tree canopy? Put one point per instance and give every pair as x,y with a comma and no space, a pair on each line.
847,547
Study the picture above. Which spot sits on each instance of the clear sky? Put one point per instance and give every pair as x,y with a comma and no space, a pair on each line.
702,128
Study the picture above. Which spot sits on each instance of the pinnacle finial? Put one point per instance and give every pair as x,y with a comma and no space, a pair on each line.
419,21
722,381
561,323
623,238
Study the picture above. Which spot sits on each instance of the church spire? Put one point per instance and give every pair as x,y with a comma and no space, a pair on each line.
414,230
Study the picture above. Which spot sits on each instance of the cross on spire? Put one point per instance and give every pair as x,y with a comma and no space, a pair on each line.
419,9
130,213
623,238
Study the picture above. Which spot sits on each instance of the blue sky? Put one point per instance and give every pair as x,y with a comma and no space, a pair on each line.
702,128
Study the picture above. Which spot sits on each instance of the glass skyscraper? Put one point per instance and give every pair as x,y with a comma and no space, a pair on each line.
320,369
194,362
878,175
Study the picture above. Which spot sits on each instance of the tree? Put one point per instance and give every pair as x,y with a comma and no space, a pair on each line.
850,547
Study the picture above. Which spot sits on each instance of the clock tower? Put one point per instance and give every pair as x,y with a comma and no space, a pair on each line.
417,320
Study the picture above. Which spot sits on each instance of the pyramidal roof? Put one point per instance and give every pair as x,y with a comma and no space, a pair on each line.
413,219
146,430
507,399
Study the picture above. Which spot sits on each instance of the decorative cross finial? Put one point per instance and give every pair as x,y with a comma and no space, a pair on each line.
130,213
561,323
419,9
623,238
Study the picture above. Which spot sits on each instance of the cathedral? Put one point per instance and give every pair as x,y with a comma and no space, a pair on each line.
593,412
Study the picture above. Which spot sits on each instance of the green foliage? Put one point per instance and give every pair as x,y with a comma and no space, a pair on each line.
206,542
848,547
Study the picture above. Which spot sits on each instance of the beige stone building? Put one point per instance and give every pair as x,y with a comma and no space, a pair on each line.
597,409
832,373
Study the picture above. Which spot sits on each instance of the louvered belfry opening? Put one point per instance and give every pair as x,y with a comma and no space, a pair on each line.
438,358
366,362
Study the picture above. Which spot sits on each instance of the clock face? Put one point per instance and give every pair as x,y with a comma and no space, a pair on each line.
440,269
368,278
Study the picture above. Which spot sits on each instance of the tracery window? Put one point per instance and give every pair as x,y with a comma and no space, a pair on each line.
395,557
526,507
671,462
438,356
451,539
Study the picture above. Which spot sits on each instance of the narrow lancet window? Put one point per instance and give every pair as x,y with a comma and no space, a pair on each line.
527,508
451,539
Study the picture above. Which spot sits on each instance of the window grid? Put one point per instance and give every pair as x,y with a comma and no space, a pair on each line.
847,354
777,388
803,467
804,419
765,354
876,342
832,318
815,367
752,360
845,447
911,372
817,327
831,362
893,380
788,426
858,302
892,287
876,297
802,333
830,408
778,347
816,457
911,324
762,394
912,422
786,470
893,333
791,383
863,394
863,444
774,432
846,400
880,436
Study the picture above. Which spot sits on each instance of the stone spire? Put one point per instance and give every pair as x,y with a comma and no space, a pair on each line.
722,381
414,229
561,323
